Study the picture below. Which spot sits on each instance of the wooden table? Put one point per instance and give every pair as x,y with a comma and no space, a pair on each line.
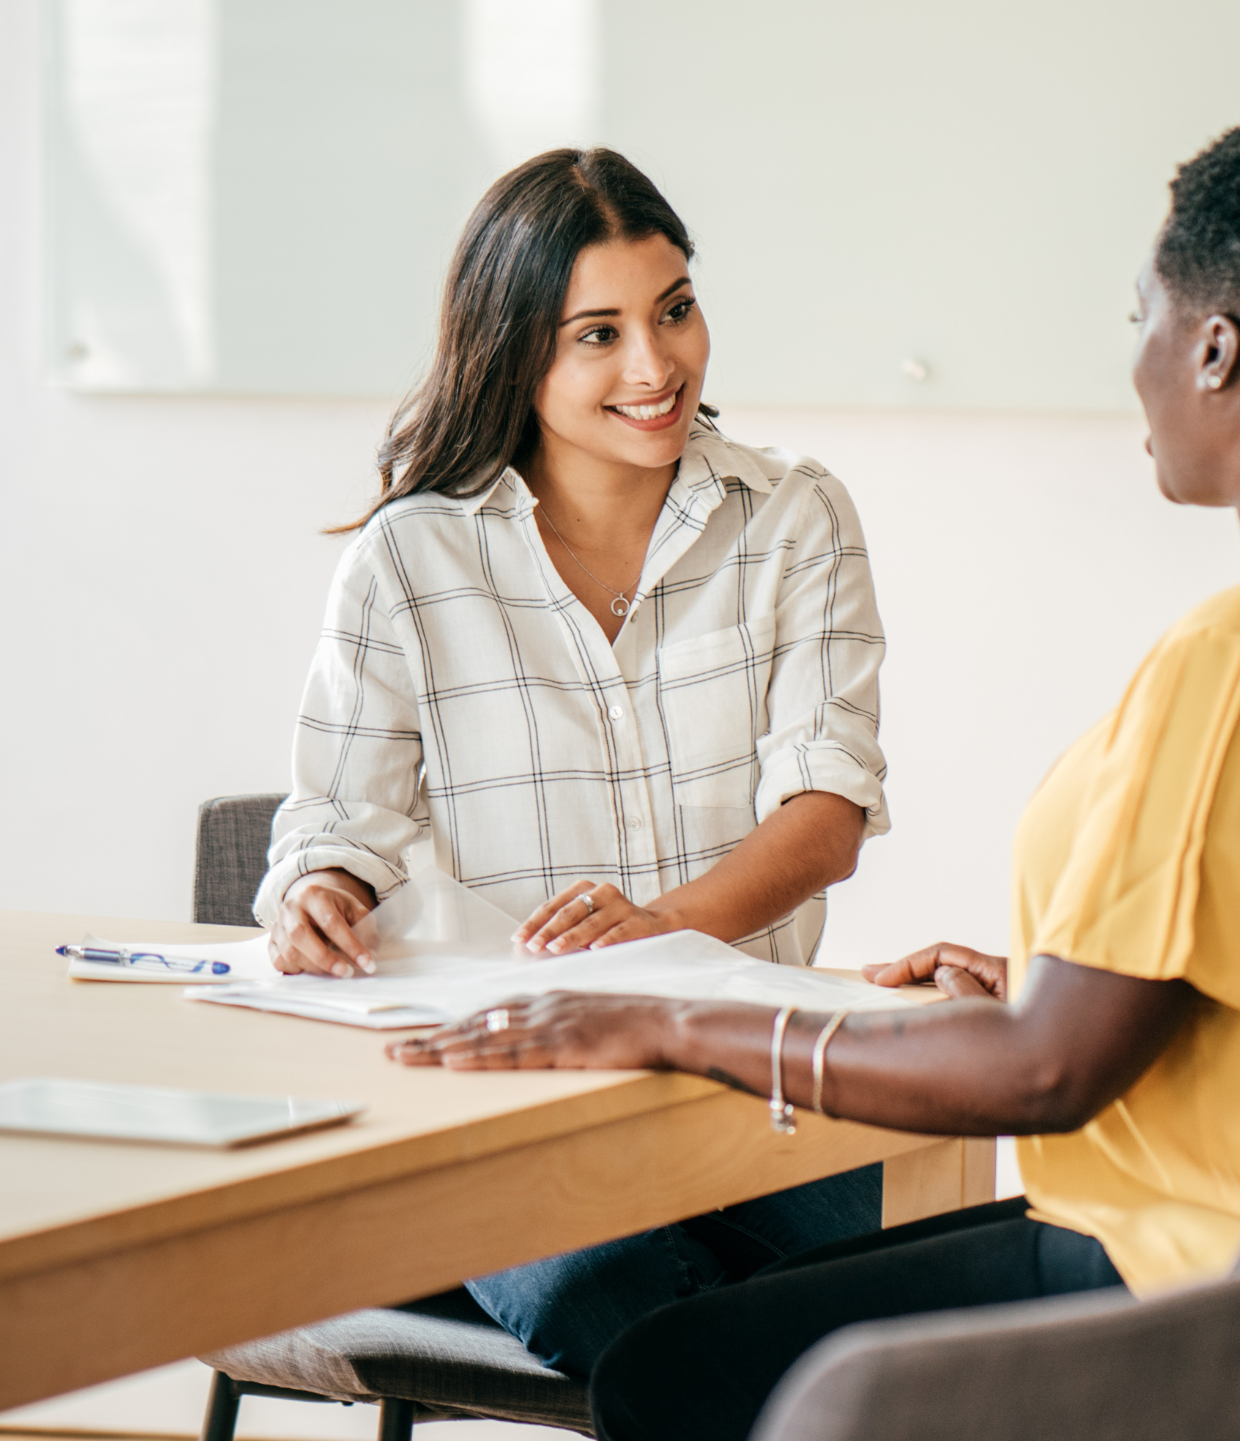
116,1257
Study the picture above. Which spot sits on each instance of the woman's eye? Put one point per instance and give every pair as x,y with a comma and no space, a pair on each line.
599,335
681,310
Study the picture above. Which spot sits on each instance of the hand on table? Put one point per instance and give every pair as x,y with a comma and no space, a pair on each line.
313,929
959,971
563,1029
567,923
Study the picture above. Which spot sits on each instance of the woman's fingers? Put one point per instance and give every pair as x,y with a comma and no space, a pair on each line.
334,914
575,924
960,984
472,1039
313,932
920,966
567,923
924,965
563,1028
549,909
631,928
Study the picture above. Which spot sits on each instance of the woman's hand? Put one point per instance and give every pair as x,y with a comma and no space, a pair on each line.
567,923
313,930
957,970
563,1029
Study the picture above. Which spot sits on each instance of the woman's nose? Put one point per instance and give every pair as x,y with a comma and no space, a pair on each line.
645,361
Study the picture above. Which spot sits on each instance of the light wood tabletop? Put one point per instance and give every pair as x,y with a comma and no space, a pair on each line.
115,1257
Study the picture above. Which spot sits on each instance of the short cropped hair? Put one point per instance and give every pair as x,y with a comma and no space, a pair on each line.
1198,251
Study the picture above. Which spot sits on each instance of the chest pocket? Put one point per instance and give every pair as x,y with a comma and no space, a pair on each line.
712,692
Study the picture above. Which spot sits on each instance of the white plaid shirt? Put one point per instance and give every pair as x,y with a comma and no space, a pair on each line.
462,696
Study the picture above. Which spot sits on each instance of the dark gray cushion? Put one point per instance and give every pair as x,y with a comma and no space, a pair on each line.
1099,1367
233,835
445,1353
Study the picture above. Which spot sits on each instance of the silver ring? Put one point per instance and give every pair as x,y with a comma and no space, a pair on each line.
587,900
497,1020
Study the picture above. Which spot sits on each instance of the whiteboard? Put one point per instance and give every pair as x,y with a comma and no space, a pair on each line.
896,204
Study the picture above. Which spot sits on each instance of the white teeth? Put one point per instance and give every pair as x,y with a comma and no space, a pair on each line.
648,412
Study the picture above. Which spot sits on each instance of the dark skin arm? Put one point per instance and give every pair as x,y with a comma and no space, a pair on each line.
1077,1039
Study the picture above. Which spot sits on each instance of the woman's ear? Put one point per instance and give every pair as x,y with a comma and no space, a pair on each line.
1219,345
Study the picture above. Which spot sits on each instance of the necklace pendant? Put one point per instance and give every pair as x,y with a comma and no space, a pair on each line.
620,606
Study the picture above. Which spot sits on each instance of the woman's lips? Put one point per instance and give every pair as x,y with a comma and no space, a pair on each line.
654,422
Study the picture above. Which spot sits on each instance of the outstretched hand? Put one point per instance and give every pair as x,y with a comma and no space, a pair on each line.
957,970
563,1029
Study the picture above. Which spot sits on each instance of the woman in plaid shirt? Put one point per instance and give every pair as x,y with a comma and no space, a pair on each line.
619,673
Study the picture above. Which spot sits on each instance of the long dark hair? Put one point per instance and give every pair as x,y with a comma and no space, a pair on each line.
473,414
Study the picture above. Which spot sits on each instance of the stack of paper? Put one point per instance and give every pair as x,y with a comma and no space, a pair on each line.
432,989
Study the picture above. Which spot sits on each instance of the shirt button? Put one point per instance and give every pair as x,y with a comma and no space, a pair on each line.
616,712
634,823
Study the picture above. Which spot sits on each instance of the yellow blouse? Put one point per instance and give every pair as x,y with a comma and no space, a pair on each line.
1128,859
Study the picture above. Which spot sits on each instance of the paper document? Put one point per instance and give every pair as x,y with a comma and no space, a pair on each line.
444,953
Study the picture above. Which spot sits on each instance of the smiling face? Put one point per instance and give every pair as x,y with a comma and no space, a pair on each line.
630,359
1185,372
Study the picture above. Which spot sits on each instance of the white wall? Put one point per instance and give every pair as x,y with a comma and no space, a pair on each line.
1023,568
163,580
162,584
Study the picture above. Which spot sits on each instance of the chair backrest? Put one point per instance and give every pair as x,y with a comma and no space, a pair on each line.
1098,1366
233,835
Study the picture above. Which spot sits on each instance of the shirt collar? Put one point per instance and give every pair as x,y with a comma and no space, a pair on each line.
709,459
505,493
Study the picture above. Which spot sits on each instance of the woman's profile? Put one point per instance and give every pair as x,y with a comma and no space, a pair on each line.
1117,1063
617,672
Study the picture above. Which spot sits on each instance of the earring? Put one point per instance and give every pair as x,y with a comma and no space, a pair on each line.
1214,382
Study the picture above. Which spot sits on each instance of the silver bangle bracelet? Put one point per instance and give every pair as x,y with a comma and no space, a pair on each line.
820,1056
782,1116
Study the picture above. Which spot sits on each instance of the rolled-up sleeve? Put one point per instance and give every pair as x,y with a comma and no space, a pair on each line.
357,752
822,701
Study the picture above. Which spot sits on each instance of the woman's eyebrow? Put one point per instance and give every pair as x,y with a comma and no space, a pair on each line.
662,295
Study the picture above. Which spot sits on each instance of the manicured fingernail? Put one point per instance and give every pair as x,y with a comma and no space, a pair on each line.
516,936
556,946
340,969
367,964
533,945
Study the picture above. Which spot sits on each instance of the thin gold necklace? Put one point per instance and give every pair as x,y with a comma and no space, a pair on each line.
620,605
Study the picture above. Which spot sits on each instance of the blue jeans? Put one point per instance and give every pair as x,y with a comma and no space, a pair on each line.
568,1309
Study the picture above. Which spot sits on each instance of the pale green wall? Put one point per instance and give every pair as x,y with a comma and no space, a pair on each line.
966,183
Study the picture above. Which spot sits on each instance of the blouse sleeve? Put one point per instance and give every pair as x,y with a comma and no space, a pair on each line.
1149,830
357,752
822,701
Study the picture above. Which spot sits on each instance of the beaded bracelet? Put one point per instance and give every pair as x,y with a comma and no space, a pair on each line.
820,1056
782,1115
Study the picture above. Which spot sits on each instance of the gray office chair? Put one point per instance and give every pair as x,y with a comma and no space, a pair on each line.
1095,1367
441,1358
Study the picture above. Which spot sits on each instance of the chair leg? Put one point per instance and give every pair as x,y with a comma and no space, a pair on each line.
396,1418
221,1419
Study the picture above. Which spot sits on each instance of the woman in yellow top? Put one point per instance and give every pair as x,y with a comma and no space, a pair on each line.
1118,1059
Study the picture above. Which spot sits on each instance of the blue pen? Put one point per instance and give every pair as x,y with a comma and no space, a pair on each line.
142,958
